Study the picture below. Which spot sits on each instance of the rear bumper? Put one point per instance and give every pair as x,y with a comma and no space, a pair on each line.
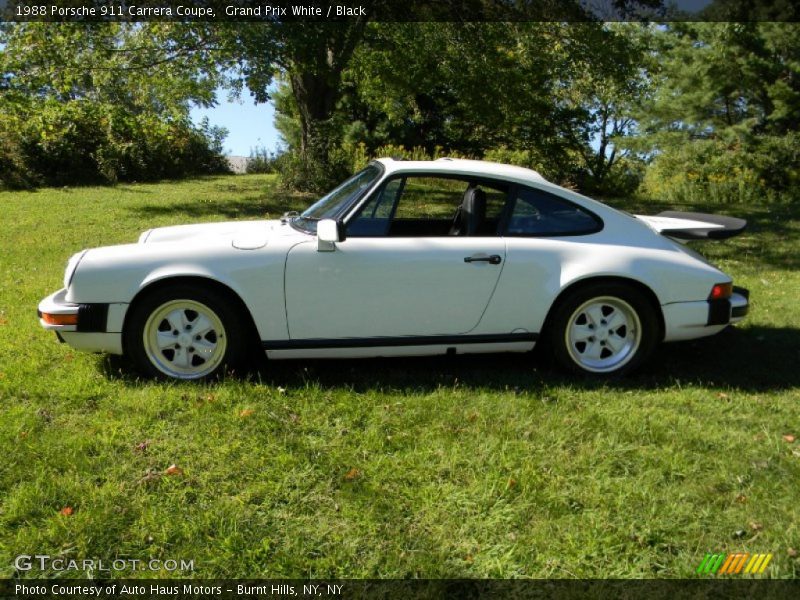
691,320
729,310
95,327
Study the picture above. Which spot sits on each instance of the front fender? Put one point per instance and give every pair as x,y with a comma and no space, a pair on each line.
117,274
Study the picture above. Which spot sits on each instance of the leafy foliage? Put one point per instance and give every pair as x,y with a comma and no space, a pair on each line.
724,118
101,103
690,111
311,58
262,160
533,88
693,111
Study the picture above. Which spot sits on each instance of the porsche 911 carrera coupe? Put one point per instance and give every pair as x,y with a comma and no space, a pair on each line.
405,258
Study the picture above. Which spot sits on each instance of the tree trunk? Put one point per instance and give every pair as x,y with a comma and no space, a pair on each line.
320,55
316,98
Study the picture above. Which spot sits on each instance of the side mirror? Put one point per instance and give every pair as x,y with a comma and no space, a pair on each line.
329,232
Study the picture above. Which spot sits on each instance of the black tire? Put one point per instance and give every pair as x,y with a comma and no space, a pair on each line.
602,330
182,312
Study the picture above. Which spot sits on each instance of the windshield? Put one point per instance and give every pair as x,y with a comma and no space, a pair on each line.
334,202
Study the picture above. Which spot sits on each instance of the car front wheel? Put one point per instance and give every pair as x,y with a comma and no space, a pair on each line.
184,332
603,329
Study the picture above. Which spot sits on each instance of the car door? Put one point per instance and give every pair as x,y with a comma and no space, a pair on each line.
399,272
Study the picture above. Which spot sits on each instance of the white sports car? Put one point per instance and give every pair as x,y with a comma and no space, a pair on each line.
404,258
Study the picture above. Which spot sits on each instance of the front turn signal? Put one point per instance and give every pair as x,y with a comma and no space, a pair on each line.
55,319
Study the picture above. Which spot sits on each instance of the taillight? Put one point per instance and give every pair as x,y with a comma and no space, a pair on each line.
721,291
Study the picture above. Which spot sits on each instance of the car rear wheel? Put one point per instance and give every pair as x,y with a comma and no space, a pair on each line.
603,329
184,332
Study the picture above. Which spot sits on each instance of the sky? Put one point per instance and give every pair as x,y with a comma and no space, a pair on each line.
249,125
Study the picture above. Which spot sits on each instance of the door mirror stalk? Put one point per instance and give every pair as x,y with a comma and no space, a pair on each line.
329,232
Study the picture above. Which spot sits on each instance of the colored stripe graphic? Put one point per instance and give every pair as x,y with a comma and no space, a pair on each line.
728,563
703,564
765,563
740,564
757,558
711,563
734,564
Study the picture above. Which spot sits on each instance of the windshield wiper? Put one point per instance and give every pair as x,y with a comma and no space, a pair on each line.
289,215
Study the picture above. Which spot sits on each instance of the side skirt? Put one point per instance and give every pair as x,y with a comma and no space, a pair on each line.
399,346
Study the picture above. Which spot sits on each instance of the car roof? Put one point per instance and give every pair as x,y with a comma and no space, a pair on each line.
488,169
463,166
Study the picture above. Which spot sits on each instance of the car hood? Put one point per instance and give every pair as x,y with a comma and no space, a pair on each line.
245,235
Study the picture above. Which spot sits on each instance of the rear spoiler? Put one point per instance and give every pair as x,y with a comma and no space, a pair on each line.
694,226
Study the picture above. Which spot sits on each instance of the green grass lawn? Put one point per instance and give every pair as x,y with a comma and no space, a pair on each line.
454,467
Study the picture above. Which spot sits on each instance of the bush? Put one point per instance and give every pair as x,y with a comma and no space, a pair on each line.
323,165
14,171
359,157
262,160
563,170
761,169
312,175
83,142
621,181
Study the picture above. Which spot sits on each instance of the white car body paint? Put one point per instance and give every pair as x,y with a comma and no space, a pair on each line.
393,286
389,287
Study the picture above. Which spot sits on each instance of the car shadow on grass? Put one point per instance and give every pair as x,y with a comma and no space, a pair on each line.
752,359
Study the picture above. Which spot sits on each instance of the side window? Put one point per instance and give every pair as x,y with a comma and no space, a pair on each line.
430,198
373,219
538,213
426,206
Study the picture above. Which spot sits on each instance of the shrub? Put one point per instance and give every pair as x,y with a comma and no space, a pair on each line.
82,141
262,160
563,170
14,171
358,156
760,169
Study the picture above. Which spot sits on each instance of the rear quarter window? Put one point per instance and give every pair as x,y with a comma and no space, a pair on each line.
540,214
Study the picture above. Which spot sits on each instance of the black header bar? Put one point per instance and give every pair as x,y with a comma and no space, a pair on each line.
280,11
347,589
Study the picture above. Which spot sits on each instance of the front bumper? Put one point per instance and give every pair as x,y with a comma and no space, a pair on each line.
91,327
55,313
55,306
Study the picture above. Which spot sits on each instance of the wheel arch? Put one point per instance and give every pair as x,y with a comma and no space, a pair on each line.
196,280
636,284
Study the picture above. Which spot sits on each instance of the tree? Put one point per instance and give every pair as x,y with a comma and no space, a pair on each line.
609,96
724,119
544,91
310,57
101,102
466,86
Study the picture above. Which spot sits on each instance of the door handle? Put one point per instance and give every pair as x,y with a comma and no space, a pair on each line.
494,259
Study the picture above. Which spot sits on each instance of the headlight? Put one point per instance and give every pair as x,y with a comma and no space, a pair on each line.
72,264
